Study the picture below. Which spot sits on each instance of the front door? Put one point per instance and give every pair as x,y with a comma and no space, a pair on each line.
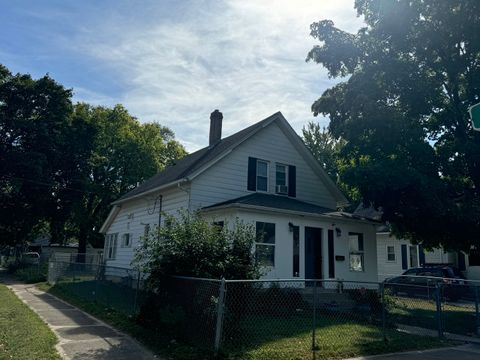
313,253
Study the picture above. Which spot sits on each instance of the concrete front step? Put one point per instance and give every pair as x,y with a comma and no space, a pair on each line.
328,299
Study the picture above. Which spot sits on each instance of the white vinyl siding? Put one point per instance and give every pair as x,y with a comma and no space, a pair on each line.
143,215
227,179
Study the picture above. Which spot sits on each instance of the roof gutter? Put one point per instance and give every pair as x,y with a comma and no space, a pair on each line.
162,187
285,211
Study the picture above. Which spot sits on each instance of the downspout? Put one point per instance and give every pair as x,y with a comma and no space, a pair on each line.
179,185
160,198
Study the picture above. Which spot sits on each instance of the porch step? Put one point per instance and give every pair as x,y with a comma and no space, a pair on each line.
328,299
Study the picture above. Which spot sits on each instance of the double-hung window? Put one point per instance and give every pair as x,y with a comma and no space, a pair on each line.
126,240
111,246
262,175
391,253
355,242
265,243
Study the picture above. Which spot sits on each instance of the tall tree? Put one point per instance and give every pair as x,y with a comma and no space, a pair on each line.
124,153
324,147
410,75
327,149
34,123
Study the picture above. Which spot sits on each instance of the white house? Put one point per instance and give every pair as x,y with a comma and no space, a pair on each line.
263,175
395,256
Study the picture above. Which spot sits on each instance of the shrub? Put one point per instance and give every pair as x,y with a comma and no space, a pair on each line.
190,246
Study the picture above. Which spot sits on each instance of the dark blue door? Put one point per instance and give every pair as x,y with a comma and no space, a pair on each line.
313,253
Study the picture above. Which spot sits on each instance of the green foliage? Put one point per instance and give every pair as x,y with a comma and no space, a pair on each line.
39,153
124,153
326,148
63,164
32,274
190,246
410,75
23,335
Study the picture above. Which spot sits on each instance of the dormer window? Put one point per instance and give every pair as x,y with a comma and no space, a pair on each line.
262,175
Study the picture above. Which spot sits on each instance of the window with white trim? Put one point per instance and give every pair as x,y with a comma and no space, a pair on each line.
265,243
391,257
262,175
111,246
127,240
355,242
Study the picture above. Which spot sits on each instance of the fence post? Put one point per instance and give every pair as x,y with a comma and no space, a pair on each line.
314,322
438,301
220,309
477,314
384,315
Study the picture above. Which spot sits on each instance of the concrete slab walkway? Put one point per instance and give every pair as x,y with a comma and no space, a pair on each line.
81,336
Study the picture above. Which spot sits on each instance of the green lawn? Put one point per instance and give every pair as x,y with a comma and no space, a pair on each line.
280,338
23,335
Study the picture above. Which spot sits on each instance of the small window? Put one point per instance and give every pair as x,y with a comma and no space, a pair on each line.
126,240
391,253
219,224
265,244
111,246
355,241
262,175
146,231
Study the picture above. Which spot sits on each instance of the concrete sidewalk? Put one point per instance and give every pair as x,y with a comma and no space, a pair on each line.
81,336
463,352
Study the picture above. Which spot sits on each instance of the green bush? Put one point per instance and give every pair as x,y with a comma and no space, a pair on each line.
190,246
32,273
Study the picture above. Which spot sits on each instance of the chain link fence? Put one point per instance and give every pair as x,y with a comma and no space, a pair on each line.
290,319
113,287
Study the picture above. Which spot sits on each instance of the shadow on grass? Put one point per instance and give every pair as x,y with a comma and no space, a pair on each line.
423,313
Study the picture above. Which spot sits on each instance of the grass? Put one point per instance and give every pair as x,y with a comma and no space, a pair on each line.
23,335
423,313
336,338
260,337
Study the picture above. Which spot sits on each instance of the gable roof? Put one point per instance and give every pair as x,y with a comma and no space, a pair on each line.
278,202
192,165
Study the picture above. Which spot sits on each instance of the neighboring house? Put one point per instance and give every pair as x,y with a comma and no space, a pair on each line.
395,256
263,175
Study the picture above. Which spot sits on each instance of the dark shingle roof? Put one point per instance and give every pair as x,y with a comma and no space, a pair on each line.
275,202
285,203
193,162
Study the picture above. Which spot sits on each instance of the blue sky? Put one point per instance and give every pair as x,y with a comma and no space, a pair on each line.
176,61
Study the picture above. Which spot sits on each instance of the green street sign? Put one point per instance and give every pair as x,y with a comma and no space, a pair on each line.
475,116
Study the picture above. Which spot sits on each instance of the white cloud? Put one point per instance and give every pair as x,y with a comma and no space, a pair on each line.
246,58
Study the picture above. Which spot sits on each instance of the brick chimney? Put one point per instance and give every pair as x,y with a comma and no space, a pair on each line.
215,127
